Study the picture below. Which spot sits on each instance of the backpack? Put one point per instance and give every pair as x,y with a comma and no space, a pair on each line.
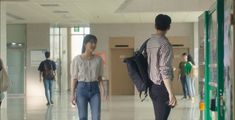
48,72
137,67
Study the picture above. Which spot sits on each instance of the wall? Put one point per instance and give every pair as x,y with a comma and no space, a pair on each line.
16,33
196,54
37,38
140,31
196,43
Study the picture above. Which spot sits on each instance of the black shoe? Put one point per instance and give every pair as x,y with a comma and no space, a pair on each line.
52,102
48,104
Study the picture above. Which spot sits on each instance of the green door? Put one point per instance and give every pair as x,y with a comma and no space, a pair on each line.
214,62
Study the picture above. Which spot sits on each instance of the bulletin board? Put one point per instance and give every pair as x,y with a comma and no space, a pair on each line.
36,57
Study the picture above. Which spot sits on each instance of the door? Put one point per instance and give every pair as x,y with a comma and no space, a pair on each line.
58,48
121,84
16,71
176,86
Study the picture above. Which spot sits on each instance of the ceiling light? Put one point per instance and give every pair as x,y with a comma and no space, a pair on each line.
13,0
13,43
50,5
60,11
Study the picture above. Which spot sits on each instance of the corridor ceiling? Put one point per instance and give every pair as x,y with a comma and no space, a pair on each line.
103,11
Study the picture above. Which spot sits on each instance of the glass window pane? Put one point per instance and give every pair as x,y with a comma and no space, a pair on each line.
56,47
51,45
77,41
57,30
51,30
87,30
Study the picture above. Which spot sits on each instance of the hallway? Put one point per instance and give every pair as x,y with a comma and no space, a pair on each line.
118,108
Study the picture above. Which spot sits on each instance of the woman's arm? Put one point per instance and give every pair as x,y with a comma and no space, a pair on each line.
74,75
101,85
73,97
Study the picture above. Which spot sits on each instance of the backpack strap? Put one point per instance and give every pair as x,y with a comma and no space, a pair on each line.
143,46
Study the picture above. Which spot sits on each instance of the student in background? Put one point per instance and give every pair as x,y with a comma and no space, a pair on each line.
190,76
182,76
47,72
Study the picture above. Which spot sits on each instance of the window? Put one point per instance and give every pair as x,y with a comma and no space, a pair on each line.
77,35
55,36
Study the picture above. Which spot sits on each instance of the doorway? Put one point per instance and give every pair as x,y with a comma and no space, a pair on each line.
16,71
120,82
58,48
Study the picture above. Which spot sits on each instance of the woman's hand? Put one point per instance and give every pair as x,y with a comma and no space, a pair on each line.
73,99
104,96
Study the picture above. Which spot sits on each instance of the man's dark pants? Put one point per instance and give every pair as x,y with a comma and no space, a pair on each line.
160,99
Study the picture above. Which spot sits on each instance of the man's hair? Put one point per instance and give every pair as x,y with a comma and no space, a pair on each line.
162,22
184,54
47,54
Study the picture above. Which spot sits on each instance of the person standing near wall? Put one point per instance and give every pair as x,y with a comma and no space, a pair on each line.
47,72
160,58
182,76
86,72
190,76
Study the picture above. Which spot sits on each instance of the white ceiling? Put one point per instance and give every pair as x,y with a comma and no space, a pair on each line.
103,11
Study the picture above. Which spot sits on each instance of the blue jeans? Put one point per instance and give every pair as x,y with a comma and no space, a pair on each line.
185,86
88,92
191,85
48,85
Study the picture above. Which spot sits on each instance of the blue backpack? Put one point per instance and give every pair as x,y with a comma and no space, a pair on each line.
137,67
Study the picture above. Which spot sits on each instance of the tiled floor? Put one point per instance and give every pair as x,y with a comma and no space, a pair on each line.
117,108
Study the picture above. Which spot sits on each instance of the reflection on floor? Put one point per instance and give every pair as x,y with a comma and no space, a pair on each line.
117,108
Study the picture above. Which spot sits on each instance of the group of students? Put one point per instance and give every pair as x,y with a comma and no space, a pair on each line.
87,71
187,76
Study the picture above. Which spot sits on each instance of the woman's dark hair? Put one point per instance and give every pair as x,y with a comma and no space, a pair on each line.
190,59
184,54
88,39
162,22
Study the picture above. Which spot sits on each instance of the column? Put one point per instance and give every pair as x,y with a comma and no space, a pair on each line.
3,48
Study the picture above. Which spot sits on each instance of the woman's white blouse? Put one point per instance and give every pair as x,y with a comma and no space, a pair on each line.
86,70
